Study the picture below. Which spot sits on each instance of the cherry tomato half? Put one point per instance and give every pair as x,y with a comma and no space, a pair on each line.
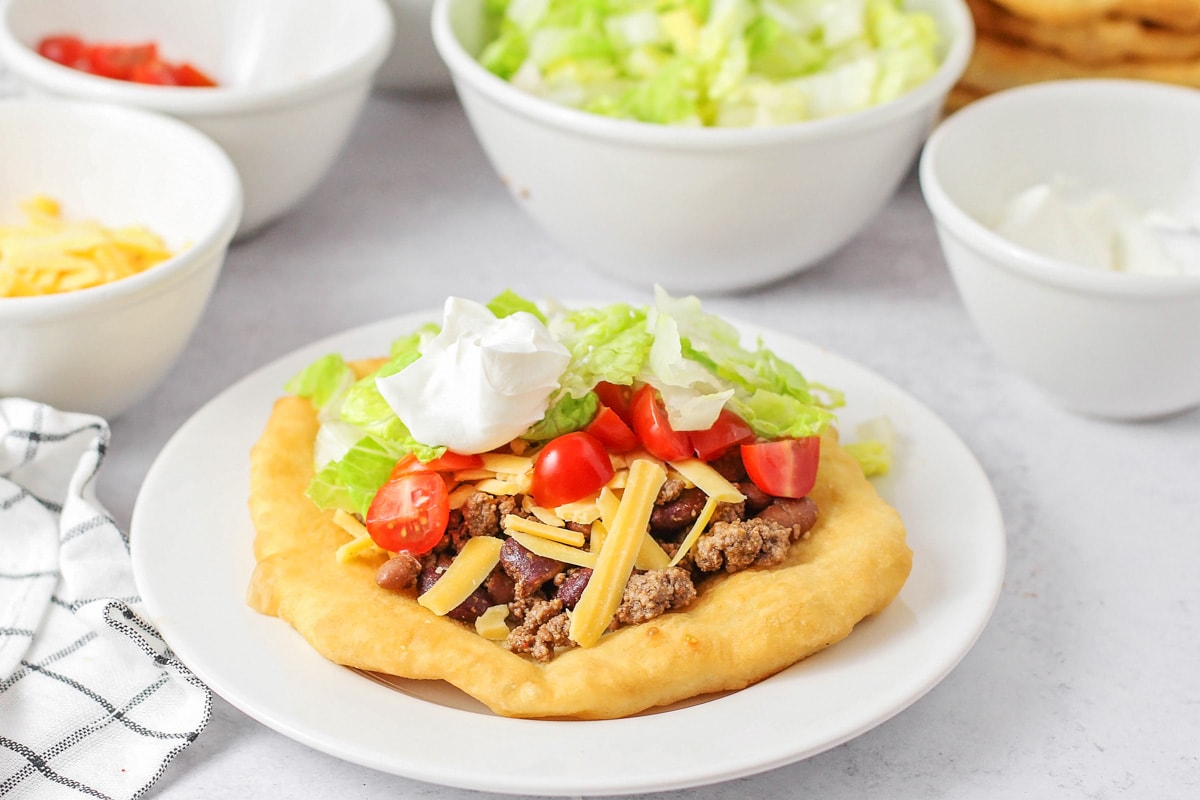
410,511
784,468
618,397
652,427
612,431
728,430
570,467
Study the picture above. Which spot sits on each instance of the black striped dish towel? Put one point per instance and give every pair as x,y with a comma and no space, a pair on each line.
92,702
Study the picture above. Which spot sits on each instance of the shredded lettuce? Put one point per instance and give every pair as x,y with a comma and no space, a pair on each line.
712,62
694,359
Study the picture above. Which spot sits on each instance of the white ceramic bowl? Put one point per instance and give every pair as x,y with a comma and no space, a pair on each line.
293,76
101,349
695,209
412,64
1107,344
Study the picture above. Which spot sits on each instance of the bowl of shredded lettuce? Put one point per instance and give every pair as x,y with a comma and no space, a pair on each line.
706,145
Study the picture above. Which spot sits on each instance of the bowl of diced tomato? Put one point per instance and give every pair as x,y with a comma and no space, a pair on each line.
279,86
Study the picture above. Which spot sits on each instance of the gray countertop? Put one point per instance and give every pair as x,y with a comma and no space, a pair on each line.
1086,682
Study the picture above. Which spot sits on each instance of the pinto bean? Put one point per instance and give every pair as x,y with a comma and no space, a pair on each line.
678,513
527,569
398,572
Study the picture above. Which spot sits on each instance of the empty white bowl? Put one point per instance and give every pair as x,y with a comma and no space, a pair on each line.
695,209
292,76
413,64
1103,343
101,349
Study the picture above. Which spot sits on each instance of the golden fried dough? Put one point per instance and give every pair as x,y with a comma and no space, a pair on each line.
998,64
1178,14
742,628
1099,40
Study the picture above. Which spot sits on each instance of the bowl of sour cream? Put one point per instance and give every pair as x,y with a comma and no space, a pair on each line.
1069,216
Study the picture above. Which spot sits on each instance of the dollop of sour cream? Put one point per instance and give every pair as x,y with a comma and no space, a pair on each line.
481,382
1101,230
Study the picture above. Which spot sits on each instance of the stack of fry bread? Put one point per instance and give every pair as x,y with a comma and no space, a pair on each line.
1026,41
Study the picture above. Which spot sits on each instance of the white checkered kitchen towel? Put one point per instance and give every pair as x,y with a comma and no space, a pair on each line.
92,702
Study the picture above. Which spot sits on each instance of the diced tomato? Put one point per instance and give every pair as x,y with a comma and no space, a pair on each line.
728,430
65,50
784,468
570,467
612,431
155,72
653,428
139,63
119,60
410,512
188,75
618,397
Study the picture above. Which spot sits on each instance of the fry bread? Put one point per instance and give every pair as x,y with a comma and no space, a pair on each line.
741,629
1096,40
1176,14
997,64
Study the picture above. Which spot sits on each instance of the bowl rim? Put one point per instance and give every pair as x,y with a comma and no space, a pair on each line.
467,71
227,188
1014,257
26,65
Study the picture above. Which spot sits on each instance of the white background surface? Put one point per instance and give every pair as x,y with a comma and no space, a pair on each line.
1086,682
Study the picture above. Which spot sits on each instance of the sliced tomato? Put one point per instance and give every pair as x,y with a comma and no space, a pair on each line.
728,430
652,427
66,50
612,431
570,467
784,468
618,397
119,60
409,512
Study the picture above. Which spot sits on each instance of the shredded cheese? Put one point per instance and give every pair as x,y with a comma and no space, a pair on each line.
362,541
474,563
710,506
554,550
497,486
491,623
600,599
708,480
49,255
540,529
459,496
506,464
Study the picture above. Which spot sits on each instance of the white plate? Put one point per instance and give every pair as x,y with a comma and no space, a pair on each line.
192,534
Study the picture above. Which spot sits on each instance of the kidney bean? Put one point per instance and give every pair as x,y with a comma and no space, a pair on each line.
678,513
528,570
572,588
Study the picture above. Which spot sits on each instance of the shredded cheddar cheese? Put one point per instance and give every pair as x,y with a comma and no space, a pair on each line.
710,506
491,623
600,599
554,550
708,480
475,562
49,255
540,529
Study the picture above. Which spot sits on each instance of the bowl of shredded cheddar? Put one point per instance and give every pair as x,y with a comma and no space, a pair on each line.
114,224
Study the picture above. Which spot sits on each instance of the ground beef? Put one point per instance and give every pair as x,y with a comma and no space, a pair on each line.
738,545
653,593
729,512
670,490
543,630
482,514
